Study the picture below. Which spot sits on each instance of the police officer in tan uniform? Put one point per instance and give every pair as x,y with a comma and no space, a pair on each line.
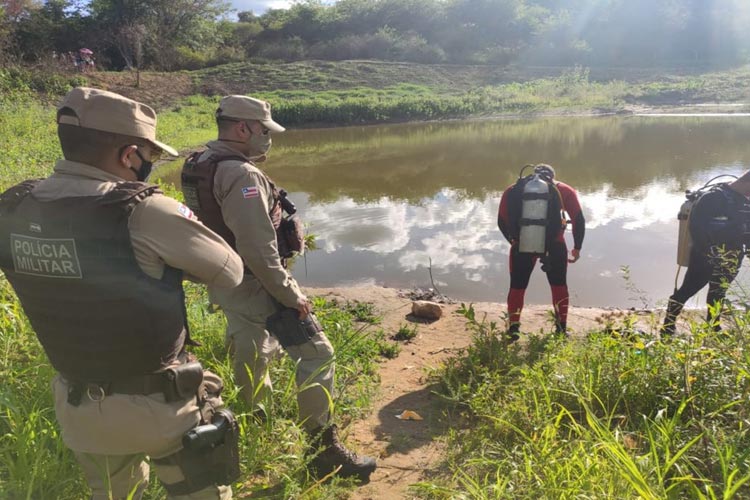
233,197
97,257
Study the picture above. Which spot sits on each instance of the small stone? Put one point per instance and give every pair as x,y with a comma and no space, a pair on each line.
427,310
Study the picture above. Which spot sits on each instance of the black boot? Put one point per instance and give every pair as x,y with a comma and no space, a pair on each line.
513,330
674,308
331,454
561,329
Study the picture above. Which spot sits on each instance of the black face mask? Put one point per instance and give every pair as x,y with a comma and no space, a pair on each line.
145,170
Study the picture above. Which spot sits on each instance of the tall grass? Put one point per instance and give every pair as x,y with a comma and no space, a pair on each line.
600,417
33,461
35,464
405,102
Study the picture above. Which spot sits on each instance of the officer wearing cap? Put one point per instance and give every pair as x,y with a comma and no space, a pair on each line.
97,257
232,196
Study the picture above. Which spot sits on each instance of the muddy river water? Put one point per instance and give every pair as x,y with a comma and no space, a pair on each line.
386,202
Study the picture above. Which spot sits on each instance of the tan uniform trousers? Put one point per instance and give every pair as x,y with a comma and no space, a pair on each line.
111,438
247,307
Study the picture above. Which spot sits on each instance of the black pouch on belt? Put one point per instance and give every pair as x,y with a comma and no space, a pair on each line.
286,326
186,379
210,455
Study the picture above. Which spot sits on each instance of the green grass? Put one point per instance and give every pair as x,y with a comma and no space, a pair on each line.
362,311
405,333
35,464
600,417
28,136
409,102
318,76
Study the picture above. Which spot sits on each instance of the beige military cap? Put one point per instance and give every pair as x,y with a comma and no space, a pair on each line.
240,107
101,110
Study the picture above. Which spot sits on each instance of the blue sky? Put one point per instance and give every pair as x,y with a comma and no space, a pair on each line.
259,6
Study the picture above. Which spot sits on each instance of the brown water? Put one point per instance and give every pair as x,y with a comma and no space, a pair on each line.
384,201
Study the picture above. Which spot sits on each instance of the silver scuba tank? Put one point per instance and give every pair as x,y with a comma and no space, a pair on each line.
533,223
684,241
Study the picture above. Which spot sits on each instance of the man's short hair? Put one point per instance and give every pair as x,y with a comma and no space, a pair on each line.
224,125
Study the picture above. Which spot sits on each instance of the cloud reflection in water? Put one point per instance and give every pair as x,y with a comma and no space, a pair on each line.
394,242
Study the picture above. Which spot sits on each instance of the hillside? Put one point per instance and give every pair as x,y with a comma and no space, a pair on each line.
647,87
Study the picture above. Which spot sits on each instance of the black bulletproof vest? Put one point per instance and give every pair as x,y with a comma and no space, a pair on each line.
98,316
197,180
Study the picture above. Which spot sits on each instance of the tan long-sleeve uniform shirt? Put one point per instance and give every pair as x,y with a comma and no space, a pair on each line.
245,196
162,230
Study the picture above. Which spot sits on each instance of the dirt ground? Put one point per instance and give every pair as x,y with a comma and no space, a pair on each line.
409,451
160,90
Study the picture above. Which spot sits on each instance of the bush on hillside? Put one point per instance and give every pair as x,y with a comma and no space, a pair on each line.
386,44
290,49
192,59
16,79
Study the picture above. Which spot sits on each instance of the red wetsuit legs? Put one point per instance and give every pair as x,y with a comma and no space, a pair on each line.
515,304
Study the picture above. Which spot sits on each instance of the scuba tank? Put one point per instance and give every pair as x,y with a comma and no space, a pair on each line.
684,241
533,223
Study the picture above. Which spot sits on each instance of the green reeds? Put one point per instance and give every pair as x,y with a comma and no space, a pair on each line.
600,417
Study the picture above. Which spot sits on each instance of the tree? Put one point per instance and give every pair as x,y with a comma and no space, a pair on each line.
6,38
246,16
129,40
169,24
55,26
17,9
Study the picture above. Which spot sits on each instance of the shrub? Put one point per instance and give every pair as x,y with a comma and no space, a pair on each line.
19,79
386,44
187,58
290,49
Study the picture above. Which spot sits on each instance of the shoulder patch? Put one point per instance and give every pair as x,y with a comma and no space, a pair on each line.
250,192
185,211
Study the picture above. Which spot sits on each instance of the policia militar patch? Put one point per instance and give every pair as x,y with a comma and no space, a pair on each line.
47,257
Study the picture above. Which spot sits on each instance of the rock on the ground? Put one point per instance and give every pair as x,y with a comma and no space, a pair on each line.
427,310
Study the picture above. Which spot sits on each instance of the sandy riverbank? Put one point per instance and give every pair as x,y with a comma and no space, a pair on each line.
408,451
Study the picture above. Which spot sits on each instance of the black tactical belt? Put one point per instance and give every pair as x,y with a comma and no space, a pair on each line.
532,222
535,196
162,382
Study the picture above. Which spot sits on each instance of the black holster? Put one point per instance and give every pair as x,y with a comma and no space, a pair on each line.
186,380
286,326
210,455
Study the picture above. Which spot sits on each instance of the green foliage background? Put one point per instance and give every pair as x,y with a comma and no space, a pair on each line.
189,34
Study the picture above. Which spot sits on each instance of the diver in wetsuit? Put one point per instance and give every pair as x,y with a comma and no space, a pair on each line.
719,227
